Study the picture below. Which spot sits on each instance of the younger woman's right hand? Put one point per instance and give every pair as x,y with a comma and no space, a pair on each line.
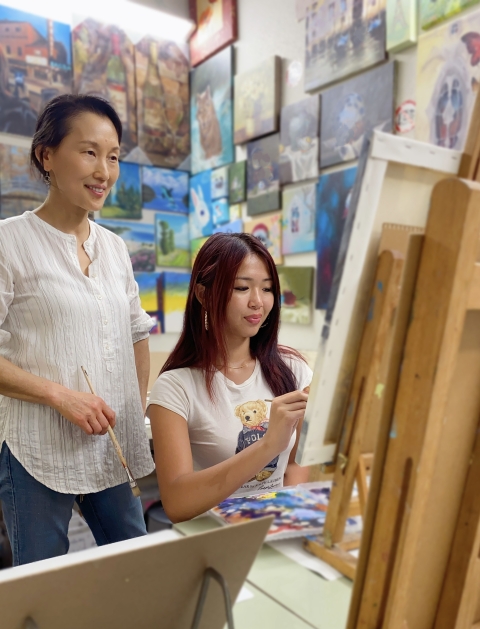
87,411
285,413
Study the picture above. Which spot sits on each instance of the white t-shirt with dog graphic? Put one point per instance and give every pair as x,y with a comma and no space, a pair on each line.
236,418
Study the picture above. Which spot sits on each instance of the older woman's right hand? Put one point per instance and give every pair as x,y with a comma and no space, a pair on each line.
88,412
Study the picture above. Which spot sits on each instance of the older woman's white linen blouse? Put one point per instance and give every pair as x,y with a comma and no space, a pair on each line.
53,319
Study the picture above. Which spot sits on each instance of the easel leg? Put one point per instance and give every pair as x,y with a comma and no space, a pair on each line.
209,574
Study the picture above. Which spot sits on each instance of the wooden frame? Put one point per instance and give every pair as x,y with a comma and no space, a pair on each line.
202,50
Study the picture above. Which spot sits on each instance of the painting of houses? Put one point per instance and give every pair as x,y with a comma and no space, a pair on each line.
20,190
35,66
140,241
125,198
172,239
164,189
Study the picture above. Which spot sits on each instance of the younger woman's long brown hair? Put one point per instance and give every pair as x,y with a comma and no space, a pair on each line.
216,268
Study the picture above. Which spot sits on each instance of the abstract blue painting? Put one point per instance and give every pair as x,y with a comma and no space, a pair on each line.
164,189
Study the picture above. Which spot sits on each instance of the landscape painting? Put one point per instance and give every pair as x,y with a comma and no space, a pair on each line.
234,227
298,222
125,198
104,65
237,175
36,66
296,290
268,229
140,241
333,200
173,292
220,183
172,239
216,22
448,77
163,103
221,211
352,109
263,183
342,38
164,189
195,245
211,112
201,210
148,290
20,189
299,141
257,101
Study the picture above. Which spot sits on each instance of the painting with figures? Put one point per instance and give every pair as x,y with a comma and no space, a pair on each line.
296,294
36,66
140,241
164,189
263,182
299,141
20,189
220,183
104,65
298,222
211,112
163,103
268,229
172,239
341,38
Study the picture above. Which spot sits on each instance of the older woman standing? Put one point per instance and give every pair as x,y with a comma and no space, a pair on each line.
68,298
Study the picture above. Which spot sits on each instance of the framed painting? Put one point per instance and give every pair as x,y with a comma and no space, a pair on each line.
257,101
298,219
220,183
268,229
201,210
402,24
296,294
125,198
263,183
299,140
216,22
164,189
36,57
140,241
104,65
148,290
195,245
163,103
237,174
234,227
352,109
172,240
173,293
20,189
448,76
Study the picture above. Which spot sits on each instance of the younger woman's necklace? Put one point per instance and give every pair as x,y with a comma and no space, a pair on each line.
247,362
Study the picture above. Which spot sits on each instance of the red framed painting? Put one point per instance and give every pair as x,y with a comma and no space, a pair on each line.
217,28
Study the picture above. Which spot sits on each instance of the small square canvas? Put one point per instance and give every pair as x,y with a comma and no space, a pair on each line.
296,288
263,183
448,76
235,227
268,229
173,295
216,27
212,112
341,39
165,189
20,189
402,24
140,241
220,183
148,290
195,245
163,103
125,198
257,101
333,200
434,11
237,174
298,222
352,109
235,211
172,239
201,210
36,59
221,212
299,141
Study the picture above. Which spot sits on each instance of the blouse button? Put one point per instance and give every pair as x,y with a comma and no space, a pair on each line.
99,296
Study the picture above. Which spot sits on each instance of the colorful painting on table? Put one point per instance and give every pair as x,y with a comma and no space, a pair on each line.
402,24
221,212
125,198
211,112
434,11
35,66
257,101
234,227
296,288
173,292
448,76
237,175
352,109
148,290
333,199
201,210
163,103
298,222
172,239
165,189
195,245
220,183
216,22
268,229
140,241
263,183
104,65
342,38
299,141
20,190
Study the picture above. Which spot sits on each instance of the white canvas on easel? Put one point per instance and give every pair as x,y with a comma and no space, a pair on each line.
396,187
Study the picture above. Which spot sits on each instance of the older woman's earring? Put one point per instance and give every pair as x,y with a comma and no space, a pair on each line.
46,178
206,321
